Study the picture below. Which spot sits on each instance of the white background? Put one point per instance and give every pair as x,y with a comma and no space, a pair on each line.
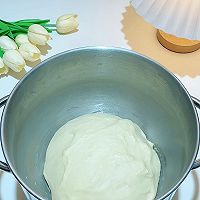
100,24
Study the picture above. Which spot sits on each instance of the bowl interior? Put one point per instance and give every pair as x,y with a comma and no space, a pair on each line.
98,80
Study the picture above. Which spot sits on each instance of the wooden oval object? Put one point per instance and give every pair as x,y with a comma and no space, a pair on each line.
179,45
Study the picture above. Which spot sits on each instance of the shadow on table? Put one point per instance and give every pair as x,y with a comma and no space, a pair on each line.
141,37
18,75
196,192
19,192
176,197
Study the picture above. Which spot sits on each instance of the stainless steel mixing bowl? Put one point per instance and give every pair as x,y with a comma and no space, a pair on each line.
98,79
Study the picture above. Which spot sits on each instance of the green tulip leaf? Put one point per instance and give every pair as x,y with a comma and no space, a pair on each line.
3,32
12,29
1,52
10,34
33,21
3,26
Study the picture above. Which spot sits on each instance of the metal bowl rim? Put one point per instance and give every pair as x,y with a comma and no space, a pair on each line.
42,64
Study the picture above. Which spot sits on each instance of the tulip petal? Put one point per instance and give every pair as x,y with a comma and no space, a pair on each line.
37,38
38,35
29,52
14,60
36,28
67,23
21,38
6,43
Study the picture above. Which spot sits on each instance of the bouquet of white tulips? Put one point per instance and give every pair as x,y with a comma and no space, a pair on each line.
20,40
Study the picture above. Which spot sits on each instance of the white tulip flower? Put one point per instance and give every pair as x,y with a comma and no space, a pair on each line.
21,38
67,23
29,52
38,35
7,43
14,60
3,67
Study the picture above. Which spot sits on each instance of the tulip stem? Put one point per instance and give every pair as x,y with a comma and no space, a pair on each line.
50,25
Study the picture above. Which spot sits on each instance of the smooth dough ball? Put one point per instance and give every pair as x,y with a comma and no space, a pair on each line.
101,157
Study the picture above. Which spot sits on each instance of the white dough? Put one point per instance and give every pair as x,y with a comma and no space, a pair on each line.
101,157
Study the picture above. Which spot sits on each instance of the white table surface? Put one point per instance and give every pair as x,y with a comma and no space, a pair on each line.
100,24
